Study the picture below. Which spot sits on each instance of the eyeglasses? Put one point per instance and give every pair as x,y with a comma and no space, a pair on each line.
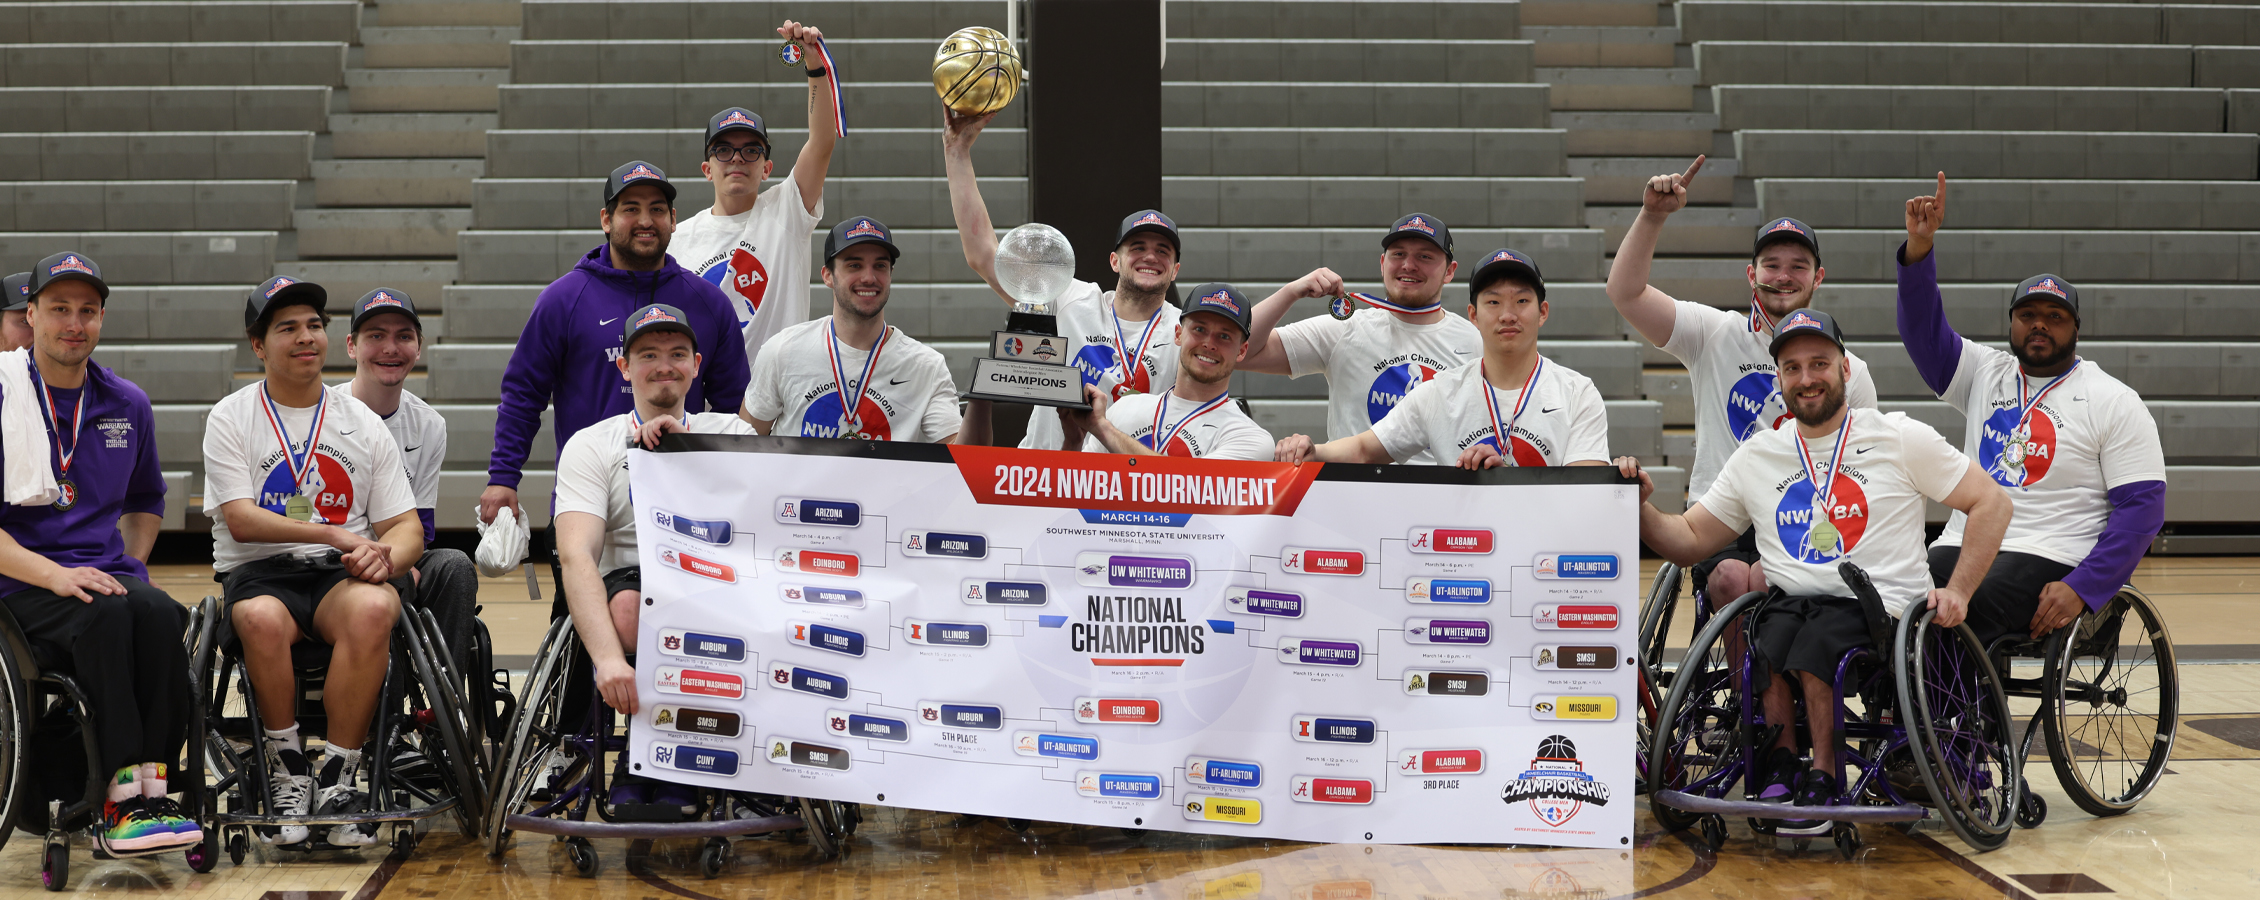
749,153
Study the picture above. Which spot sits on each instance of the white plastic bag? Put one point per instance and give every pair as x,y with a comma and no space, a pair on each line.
503,543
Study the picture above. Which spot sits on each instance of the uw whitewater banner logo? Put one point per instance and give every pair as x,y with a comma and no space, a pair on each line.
1556,785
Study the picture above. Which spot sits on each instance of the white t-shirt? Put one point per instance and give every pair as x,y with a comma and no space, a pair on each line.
759,258
356,477
911,397
1565,421
1733,377
592,478
2090,434
1087,319
1890,464
1221,433
422,436
1373,359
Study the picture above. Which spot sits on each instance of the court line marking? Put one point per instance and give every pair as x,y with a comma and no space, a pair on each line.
2007,888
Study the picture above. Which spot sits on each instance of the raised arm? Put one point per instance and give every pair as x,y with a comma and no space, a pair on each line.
1931,342
1271,353
815,159
975,232
1650,311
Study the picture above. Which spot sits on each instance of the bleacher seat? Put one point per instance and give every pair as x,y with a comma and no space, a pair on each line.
182,205
32,110
669,105
1353,104
216,21
1770,153
567,152
2054,22
2020,203
1962,108
177,64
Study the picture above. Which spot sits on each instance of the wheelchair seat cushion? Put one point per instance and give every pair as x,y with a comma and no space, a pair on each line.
1810,634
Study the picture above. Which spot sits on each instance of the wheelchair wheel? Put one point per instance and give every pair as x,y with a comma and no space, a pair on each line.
522,762
1699,746
1655,620
1959,729
818,821
436,723
2112,696
15,751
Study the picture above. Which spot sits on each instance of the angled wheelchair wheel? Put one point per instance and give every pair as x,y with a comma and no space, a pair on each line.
2112,695
531,738
823,836
1655,622
15,726
1699,745
1959,729
435,722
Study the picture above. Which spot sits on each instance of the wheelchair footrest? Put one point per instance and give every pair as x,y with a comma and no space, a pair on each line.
646,812
1759,809
695,828
359,818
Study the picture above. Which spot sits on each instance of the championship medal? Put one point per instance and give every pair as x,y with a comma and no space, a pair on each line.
298,507
2013,451
1340,307
790,54
1823,536
851,424
66,495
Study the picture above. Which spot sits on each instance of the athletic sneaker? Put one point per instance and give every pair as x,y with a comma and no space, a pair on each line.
680,796
626,794
129,830
290,785
1783,766
165,810
337,797
1816,788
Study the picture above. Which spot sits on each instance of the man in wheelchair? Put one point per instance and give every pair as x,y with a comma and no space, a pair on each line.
72,556
1840,486
314,535
2076,448
596,524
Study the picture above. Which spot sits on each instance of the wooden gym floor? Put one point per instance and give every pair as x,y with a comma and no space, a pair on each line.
2191,838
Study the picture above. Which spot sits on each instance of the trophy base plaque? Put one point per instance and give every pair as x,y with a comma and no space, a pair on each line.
1028,364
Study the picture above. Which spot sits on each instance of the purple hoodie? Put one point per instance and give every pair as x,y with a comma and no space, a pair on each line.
573,337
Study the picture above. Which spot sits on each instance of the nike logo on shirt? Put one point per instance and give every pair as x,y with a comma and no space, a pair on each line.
895,381
1545,411
1862,450
608,321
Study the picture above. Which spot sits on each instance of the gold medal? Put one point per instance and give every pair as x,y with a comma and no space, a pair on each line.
2013,454
298,507
1823,537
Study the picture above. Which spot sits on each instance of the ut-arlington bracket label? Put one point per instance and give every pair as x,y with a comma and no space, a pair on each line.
1315,652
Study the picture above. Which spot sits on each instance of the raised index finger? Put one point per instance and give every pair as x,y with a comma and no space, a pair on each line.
1941,186
1697,167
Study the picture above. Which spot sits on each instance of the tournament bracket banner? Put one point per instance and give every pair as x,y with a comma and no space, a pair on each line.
1322,653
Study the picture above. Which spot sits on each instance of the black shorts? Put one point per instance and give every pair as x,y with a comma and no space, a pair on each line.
625,578
1810,634
1744,548
299,583
2008,596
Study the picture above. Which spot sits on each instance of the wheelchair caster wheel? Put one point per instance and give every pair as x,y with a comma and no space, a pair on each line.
206,854
1017,826
583,857
238,846
714,858
1713,831
2033,811
55,866
1847,840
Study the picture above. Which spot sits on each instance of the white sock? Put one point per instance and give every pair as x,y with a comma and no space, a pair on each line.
153,783
352,759
285,739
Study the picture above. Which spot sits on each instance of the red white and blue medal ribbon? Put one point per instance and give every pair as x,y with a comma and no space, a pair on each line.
1760,321
1822,490
832,75
301,464
2013,453
850,406
1491,402
1133,356
1380,302
1161,412
63,456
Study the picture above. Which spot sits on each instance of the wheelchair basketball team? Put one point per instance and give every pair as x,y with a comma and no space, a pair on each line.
1804,527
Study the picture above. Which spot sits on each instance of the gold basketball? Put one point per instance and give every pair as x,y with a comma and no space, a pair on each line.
976,71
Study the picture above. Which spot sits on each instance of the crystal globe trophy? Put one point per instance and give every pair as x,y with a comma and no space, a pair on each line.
1029,362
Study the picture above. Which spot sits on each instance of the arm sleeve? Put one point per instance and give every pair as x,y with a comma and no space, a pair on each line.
1935,466
1589,429
2138,510
145,490
227,462
2131,451
1249,442
942,417
723,375
1724,499
1403,433
1310,343
528,382
763,396
1931,342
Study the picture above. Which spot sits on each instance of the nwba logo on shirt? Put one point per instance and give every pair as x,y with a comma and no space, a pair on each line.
744,277
1795,520
1390,387
824,420
2017,463
327,486
1753,405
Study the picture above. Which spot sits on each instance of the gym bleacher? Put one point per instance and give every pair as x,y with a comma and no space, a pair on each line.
455,149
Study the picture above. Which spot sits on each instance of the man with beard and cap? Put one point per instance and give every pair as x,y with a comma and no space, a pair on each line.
1372,358
1837,485
15,301
1736,394
1196,417
2076,448
596,524
1549,414
73,566
571,345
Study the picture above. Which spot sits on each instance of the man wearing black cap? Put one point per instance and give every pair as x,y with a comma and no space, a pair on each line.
15,297
2076,448
314,532
72,567
572,339
1840,485
1372,358
1549,414
850,374
1136,314
596,524
1196,417
753,244
1736,395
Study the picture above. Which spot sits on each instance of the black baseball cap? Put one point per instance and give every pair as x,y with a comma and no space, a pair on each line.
15,292
69,265
1421,225
2047,287
1803,322
735,119
657,317
860,230
280,291
1500,264
1786,229
1223,300
1150,220
385,300
635,172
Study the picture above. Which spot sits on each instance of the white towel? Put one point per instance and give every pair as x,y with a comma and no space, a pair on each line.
502,544
28,479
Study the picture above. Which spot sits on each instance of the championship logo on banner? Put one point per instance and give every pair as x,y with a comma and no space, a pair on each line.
1313,652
